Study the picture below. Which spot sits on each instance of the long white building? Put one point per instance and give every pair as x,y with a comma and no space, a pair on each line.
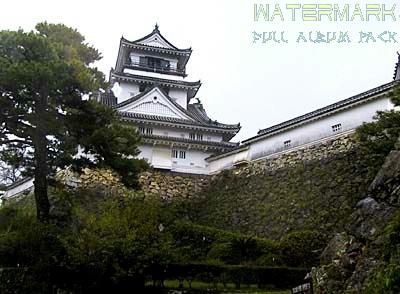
322,124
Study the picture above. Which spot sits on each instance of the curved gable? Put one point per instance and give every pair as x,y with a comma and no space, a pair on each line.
154,103
156,40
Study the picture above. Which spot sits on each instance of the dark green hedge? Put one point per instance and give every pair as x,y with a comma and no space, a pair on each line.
278,277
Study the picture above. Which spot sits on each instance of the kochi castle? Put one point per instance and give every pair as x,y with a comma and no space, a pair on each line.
151,91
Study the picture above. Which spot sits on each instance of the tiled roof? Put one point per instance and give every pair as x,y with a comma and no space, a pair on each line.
149,118
157,31
222,144
153,80
326,110
397,70
194,111
198,112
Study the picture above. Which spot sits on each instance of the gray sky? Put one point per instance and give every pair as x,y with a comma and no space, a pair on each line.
258,84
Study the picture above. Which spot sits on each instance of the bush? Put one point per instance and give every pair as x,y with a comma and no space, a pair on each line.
200,243
278,277
302,248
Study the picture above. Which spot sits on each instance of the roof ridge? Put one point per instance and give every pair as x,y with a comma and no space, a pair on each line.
155,31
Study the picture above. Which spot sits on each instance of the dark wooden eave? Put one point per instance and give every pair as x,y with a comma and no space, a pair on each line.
194,144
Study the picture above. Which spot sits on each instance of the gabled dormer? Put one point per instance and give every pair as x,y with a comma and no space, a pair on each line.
152,53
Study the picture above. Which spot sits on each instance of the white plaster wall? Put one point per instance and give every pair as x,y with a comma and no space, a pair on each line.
182,133
153,74
180,96
126,91
350,119
18,189
310,132
228,161
193,163
146,152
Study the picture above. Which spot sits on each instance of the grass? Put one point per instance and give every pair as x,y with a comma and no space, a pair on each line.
228,288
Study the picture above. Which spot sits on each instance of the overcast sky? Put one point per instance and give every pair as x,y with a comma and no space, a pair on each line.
255,84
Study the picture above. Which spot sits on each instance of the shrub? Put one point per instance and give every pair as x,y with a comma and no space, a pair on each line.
302,248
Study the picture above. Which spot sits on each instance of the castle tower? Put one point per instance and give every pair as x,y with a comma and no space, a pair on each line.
150,90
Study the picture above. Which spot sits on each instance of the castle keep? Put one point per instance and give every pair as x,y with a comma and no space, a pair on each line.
151,91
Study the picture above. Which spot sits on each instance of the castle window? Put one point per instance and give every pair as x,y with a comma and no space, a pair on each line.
142,130
336,128
194,136
149,131
287,143
182,154
178,154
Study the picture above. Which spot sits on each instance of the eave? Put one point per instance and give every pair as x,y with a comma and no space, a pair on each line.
185,142
180,52
173,122
152,80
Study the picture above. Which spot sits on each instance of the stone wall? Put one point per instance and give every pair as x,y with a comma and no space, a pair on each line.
317,151
171,186
313,188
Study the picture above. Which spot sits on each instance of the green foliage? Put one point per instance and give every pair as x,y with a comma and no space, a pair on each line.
206,244
302,248
386,278
279,277
378,138
44,77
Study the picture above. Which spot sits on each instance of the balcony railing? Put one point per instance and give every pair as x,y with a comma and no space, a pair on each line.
155,68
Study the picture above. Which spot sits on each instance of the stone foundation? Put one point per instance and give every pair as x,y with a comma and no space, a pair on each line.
170,185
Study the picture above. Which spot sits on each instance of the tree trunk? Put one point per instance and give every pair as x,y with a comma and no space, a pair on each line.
41,197
41,170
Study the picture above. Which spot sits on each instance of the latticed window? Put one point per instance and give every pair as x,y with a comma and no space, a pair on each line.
287,143
336,128
149,131
182,154
178,154
194,136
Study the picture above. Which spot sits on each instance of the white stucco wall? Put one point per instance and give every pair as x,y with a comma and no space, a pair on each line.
320,128
194,161
126,91
154,74
179,96
228,162
312,131
17,190
184,133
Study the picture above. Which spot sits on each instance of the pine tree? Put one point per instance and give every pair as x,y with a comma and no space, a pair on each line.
45,76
